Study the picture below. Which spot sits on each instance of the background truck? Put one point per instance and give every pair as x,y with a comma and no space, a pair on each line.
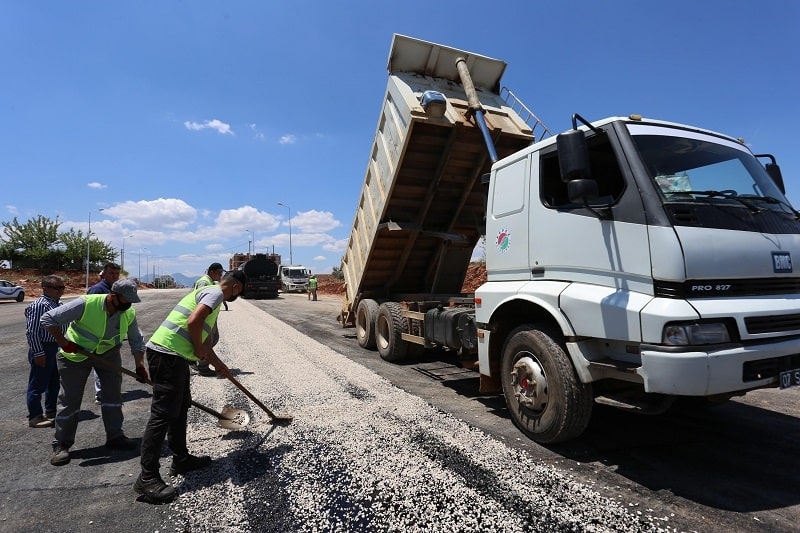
294,278
263,280
630,262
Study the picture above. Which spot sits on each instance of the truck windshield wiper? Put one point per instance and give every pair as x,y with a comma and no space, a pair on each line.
772,200
729,194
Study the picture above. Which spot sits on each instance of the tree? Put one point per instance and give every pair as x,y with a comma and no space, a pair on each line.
38,244
337,273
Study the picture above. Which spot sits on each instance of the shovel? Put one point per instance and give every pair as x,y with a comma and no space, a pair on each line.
273,416
229,418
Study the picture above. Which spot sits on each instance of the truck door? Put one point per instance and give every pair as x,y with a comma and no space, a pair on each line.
604,251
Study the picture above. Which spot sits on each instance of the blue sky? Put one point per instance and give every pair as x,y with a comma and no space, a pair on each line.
187,122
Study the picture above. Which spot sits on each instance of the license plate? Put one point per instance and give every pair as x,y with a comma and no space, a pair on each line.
790,378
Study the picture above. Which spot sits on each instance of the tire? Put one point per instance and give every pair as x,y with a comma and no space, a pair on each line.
21,296
388,328
366,313
544,395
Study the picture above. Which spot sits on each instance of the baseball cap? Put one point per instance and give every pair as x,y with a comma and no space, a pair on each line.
126,287
215,266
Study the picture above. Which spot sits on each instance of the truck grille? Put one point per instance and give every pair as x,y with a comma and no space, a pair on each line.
772,324
716,288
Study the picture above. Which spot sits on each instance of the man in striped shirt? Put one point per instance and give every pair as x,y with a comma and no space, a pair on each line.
42,349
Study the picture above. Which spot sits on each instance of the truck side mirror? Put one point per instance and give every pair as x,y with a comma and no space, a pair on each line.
774,171
582,191
573,155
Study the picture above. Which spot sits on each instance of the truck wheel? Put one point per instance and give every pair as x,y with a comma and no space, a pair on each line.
388,328
545,397
366,313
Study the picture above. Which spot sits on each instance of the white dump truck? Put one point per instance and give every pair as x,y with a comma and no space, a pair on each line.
630,261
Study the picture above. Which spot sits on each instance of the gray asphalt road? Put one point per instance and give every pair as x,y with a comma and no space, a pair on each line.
732,468
728,468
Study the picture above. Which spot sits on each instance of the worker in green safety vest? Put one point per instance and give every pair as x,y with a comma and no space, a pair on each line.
180,339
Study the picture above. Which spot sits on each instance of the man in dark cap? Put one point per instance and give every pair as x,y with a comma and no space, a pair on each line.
179,340
98,323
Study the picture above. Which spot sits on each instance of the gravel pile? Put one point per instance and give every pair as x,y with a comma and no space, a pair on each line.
360,455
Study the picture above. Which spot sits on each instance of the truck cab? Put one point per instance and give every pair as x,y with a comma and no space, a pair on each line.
294,278
646,261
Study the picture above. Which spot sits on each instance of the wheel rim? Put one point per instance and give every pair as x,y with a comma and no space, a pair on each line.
530,383
381,333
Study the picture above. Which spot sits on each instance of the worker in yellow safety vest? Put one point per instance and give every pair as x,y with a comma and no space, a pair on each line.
98,323
179,340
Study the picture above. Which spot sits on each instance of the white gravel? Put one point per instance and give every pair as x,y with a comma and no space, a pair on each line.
360,454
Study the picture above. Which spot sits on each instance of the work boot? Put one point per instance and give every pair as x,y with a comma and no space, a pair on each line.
50,415
122,443
60,455
40,421
188,463
154,489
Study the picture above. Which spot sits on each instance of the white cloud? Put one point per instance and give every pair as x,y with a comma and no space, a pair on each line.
314,221
338,245
257,135
217,125
95,185
163,213
288,139
320,258
12,209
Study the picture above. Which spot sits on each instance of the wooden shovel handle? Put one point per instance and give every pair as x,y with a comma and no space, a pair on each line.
255,400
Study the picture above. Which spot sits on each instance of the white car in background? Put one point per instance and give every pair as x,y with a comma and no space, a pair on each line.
10,291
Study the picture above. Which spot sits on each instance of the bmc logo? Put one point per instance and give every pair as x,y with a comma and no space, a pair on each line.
781,262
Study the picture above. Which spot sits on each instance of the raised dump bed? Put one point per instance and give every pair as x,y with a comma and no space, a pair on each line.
422,205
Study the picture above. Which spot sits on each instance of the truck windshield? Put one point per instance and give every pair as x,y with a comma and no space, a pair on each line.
693,167
296,273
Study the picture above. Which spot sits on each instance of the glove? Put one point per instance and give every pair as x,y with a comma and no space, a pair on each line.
71,347
142,373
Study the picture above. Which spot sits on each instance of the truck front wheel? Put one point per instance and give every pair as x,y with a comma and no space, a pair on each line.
544,395
388,331
366,313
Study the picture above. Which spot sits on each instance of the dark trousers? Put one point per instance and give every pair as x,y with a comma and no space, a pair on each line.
168,410
43,381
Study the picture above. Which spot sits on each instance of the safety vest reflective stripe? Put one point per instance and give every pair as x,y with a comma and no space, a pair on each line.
173,333
89,331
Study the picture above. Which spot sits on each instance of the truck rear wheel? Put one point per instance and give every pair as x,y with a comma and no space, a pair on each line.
366,313
544,395
388,331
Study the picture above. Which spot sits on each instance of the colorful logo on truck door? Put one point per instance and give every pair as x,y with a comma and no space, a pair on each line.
503,241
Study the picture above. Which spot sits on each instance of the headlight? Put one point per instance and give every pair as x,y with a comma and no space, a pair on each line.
695,333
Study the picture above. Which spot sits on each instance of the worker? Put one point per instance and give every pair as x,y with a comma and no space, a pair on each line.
312,287
97,324
180,339
213,275
108,276
42,348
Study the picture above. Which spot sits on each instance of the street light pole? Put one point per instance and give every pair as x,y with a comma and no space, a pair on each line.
139,277
290,231
122,254
88,248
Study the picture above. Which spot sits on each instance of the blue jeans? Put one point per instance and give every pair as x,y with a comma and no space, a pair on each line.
43,381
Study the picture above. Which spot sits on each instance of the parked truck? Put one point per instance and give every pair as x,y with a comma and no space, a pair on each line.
630,262
263,280
294,278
